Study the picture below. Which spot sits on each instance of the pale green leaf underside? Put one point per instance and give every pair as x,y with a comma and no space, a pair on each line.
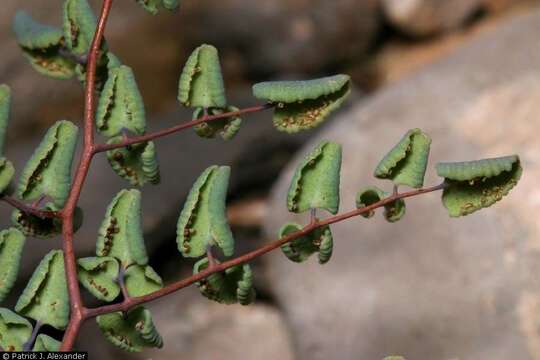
132,332
79,26
120,235
203,220
201,82
41,45
142,280
14,330
5,107
48,172
45,297
226,128
11,247
6,174
406,163
120,104
315,184
99,276
234,285
299,250
46,343
137,163
302,105
473,185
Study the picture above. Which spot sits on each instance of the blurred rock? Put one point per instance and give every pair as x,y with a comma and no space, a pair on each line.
499,5
400,58
255,39
248,212
194,328
428,17
430,287
284,36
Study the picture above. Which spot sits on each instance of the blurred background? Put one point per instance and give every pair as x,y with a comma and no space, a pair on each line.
465,71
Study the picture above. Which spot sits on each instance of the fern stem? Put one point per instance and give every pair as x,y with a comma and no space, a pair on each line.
169,289
78,311
29,345
28,209
98,148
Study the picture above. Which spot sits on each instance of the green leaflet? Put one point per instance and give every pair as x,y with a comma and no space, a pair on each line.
394,211
171,5
6,174
6,167
299,250
394,358
33,35
79,26
41,45
46,343
325,241
11,247
135,163
120,235
201,83
152,6
245,293
45,297
106,63
302,105
132,332
112,61
48,172
315,184
120,105
203,220
234,285
369,195
99,276
473,185
5,106
142,280
14,330
227,128
37,227
406,163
